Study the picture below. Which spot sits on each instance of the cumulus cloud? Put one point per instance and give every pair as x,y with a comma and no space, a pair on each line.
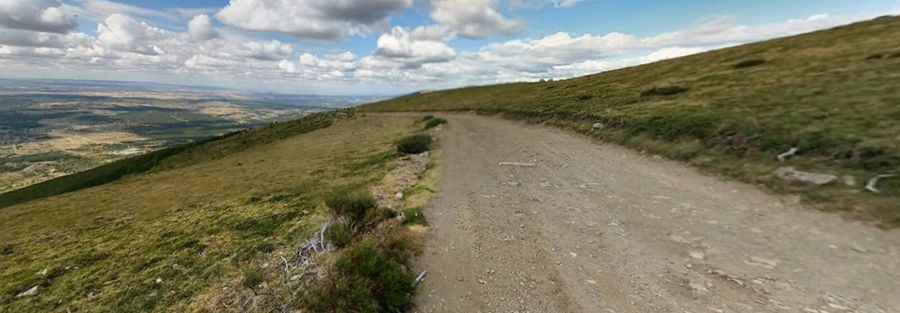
414,48
36,15
122,32
311,19
100,9
268,51
414,58
473,18
201,28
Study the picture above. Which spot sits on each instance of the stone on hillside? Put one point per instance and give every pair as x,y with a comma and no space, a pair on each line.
598,126
789,173
28,293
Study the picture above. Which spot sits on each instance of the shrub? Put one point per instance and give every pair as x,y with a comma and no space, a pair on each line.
378,215
427,117
414,216
365,278
749,63
340,234
664,91
435,122
894,55
415,144
351,204
252,278
877,56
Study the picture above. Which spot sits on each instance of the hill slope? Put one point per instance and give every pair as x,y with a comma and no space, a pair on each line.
833,94
169,232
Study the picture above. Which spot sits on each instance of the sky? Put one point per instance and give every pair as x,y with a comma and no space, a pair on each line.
384,46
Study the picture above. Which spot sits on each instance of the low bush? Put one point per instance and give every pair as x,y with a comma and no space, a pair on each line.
350,204
414,216
427,117
415,144
378,215
877,56
252,278
365,279
340,234
434,122
749,63
664,91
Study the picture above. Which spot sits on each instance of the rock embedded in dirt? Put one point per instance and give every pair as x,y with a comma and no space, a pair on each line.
791,174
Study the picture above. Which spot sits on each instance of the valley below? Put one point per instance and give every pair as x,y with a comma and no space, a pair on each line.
55,129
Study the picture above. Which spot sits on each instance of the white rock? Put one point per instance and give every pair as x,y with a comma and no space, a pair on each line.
159,280
789,173
399,196
28,293
598,126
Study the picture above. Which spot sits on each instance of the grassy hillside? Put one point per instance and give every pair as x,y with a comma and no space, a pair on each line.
833,94
191,226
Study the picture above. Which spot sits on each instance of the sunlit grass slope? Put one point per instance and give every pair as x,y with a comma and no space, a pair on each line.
833,94
157,240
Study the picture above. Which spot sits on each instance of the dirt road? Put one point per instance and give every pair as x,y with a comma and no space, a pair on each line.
599,228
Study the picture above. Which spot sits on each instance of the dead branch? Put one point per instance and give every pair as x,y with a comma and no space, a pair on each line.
872,185
782,157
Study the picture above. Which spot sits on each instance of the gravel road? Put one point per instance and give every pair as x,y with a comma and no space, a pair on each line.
599,228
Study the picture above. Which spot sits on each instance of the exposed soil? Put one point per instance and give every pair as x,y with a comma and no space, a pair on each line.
599,228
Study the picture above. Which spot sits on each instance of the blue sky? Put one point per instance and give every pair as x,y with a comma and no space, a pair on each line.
383,46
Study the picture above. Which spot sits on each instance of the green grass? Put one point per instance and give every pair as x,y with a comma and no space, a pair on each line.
351,205
414,216
731,111
181,156
166,239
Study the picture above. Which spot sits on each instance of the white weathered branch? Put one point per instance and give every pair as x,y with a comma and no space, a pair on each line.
873,183
782,157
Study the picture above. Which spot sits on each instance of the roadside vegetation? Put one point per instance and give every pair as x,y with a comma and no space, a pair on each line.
206,229
833,95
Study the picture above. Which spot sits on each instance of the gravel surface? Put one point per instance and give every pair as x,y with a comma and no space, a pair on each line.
599,228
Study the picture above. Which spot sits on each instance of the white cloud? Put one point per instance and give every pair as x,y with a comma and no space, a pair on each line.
534,4
36,15
201,28
268,51
100,9
473,18
403,58
122,32
311,19
414,48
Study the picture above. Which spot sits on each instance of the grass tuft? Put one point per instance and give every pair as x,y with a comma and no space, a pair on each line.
434,122
749,63
415,144
340,234
252,278
353,205
414,216
664,91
